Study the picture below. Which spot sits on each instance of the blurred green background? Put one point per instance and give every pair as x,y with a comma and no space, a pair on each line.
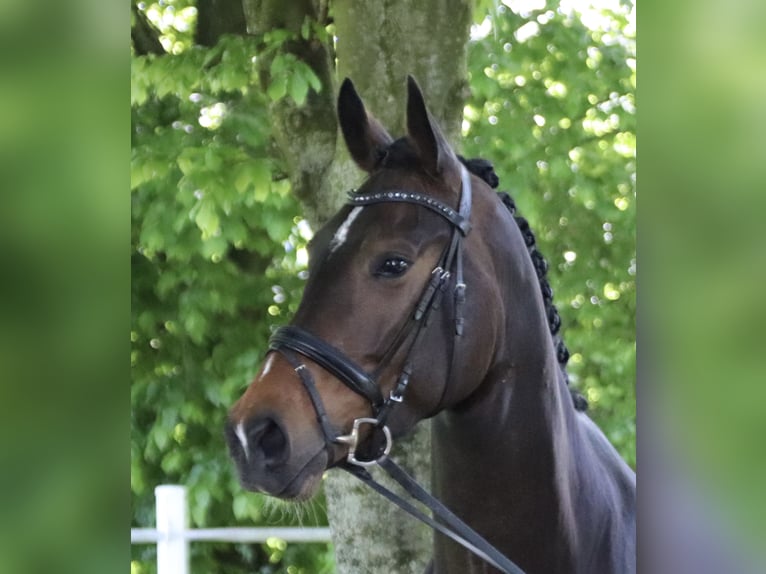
703,152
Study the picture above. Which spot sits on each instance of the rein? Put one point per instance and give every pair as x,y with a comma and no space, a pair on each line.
292,341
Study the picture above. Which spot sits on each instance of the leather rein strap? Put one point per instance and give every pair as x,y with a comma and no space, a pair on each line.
448,523
291,339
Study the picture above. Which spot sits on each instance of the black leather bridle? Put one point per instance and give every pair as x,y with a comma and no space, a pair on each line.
292,341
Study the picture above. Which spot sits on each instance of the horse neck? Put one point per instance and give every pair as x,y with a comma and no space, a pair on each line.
522,407
510,444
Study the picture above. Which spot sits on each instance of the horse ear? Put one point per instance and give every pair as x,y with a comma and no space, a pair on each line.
433,148
365,137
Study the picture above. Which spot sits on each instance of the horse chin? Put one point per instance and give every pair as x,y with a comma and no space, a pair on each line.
305,483
303,490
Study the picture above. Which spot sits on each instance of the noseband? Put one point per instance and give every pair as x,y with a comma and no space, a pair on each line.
292,341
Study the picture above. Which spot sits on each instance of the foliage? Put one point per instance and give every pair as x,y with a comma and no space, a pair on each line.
218,241
553,107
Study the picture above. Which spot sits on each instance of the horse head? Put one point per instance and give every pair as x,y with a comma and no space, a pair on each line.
383,312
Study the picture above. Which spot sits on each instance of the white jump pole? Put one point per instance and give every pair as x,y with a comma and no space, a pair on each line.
172,520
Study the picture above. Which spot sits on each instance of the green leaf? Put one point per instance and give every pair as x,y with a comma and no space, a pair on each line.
275,38
207,219
199,506
299,88
137,174
189,160
240,507
212,54
260,174
235,231
172,462
137,480
195,325
278,65
214,248
213,160
242,178
313,80
277,88
277,228
161,437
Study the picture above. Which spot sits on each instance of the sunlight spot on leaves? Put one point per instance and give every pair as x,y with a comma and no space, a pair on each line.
481,31
621,203
611,292
524,8
527,31
556,89
212,116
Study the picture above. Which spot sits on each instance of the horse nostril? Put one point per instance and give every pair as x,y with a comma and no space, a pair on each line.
273,443
268,440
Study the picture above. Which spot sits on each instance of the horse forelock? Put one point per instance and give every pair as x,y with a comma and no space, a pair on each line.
400,154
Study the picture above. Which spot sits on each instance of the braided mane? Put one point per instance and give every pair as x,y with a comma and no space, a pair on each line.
484,170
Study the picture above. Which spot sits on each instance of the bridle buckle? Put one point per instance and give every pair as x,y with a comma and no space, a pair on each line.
352,440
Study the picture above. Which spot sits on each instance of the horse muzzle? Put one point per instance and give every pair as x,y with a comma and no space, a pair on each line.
267,461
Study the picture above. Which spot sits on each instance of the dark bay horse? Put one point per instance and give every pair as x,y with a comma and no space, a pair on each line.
514,455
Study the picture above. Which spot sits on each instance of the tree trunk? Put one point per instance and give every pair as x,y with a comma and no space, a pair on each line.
379,42
218,17
145,38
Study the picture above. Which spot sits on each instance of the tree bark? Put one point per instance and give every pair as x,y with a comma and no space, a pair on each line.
145,38
305,135
379,42
218,17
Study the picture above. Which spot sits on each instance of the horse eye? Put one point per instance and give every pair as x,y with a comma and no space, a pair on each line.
392,267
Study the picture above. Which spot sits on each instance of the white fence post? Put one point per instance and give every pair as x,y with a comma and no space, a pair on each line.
172,535
172,520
